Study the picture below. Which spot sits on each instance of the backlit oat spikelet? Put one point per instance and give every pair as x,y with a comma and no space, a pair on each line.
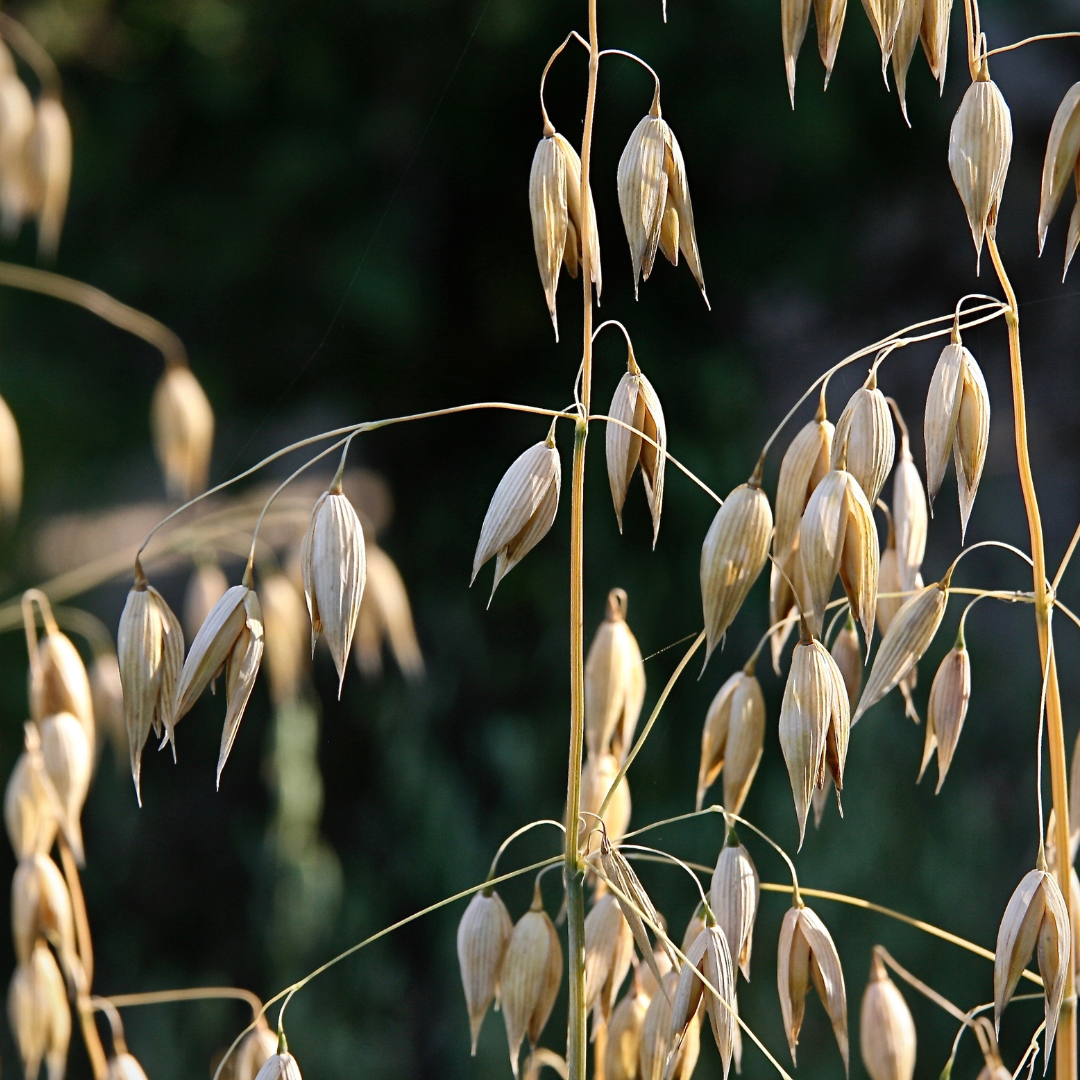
890,587
934,35
909,515
255,1049
107,695
732,739
655,200
829,16
39,1014
886,1029
709,957
386,616
847,655
49,160
11,466
655,1059
947,708
808,955
609,951
205,587
125,1066
41,908
279,1066
907,37
482,935
614,683
794,17
597,776
65,753
182,422
635,404
32,809
16,125
521,510
693,928
734,894
624,1036
285,637
1059,165
864,443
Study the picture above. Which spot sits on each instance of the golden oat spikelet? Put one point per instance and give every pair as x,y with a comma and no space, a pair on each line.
732,739
804,466
107,694
947,707
39,1014
709,957
11,465
1059,164
609,952
794,18
482,935
732,556
41,908
285,637
890,587
597,776
829,16
68,762
182,423
614,683
521,510
32,810
386,615
909,516
864,443
734,895
886,1029
657,1059
904,42
624,1036
16,125
847,656
934,35
49,154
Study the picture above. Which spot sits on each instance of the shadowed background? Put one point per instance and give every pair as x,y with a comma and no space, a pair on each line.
327,201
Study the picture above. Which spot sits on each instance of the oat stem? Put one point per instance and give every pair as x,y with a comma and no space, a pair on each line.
195,993
927,991
1031,40
515,834
1066,1045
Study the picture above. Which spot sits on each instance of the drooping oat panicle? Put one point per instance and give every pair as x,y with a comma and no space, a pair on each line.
635,403
32,809
886,1029
39,1014
206,586
385,614
1059,165
657,1059
907,638
41,908
732,739
555,208
482,935
150,649
286,638
947,707
909,517
609,951
734,895
1035,920
708,956
815,721
847,655
65,753
529,977
334,565
805,463
794,17
11,465
864,439
624,1036
49,157
654,199
231,640
733,554
521,510
904,42
838,535
829,16
182,423
980,147
614,683
597,776
279,1066
934,35
807,954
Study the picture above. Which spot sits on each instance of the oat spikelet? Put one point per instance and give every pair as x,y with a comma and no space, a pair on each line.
1059,165
41,908
805,463
49,156
65,754
255,1049
829,16
950,693
890,587
597,776
708,956
279,1066
125,1066
521,510
32,808
182,423
886,1029
285,637
734,895
807,954
655,200
11,465
907,37
59,683
934,35
614,683
847,655
624,1036
733,554
385,613
864,439
980,147
732,739
909,517
482,935
16,125
656,1061
794,17
609,951
39,1014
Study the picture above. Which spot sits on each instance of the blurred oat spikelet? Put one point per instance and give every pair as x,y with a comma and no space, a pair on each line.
734,894
635,404
708,956
107,694
255,1049
39,1014
950,693
41,909
16,126
150,649
205,587
655,200
125,1066
68,762
49,166
279,1066
597,776
482,936
732,739
808,954
32,809
609,952
11,466
847,655
285,637
655,1058
334,564
385,614
230,641
1059,166
980,147
886,1029
1035,920
957,419
614,683
555,209
624,1035
182,423
529,977
521,510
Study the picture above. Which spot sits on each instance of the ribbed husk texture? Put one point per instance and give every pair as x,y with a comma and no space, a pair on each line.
182,423
482,935
1059,165
934,35
41,908
847,655
732,740
59,683
909,515
66,757
864,439
614,683
609,951
950,693
886,1028
829,16
655,1059
734,894
708,956
280,1066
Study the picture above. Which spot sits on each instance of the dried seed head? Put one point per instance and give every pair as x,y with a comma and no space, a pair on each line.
1035,920
529,977
555,208
886,1029
708,956
947,707
597,776
285,637
1059,165
942,412
624,1037
733,554
125,1066
16,125
934,35
655,1046
890,588
908,637
635,403
41,908
385,614
255,1049
32,810
231,640
521,511
614,683
972,437
734,896
980,146
847,654
11,464
334,566
909,516
279,1066
794,17
807,953
815,721
205,587
655,200
907,37
49,159
609,950
182,422
39,1014
806,461
838,536
732,739
482,935
65,754
864,439
150,648
59,683
829,16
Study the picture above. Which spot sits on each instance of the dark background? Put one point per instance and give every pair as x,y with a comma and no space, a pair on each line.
327,201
